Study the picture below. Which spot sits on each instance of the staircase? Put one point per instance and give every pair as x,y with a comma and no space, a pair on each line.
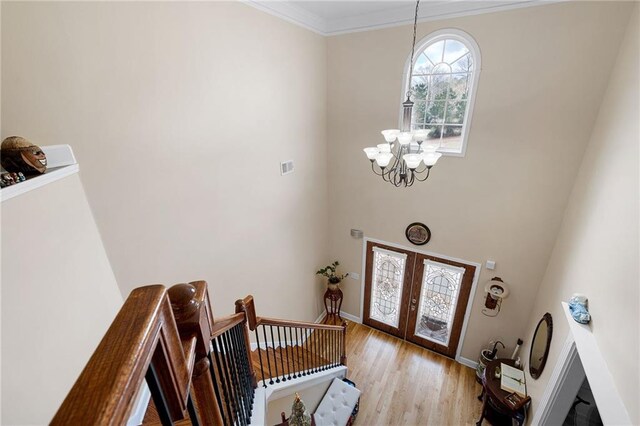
199,370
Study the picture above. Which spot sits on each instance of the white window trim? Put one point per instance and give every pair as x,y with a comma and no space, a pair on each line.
470,42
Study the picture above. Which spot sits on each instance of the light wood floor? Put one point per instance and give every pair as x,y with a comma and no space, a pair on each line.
403,384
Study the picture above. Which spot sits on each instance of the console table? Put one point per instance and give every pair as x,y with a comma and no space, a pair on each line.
495,407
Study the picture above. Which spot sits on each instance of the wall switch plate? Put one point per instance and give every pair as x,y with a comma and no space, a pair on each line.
491,265
354,275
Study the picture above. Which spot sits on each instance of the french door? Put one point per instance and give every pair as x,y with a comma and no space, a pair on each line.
416,297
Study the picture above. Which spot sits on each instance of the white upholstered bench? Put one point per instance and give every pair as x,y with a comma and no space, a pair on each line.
337,404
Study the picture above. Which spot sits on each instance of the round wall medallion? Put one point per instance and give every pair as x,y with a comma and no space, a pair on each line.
418,233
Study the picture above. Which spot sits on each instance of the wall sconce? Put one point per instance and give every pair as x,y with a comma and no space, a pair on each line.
496,290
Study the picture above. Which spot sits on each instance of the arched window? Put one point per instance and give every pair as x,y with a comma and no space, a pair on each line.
443,82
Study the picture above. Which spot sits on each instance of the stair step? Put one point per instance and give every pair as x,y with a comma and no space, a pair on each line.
293,358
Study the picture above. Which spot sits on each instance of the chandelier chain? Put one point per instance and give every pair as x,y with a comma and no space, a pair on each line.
415,29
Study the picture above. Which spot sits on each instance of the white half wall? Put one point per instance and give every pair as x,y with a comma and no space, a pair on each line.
59,296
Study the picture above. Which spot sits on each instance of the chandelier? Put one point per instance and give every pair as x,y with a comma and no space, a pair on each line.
406,156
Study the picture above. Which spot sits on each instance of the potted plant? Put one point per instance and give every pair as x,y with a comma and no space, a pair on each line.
333,279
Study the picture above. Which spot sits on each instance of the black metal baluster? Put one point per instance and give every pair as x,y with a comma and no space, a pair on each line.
323,336
216,388
336,358
289,352
224,354
313,352
284,373
193,415
319,348
292,349
318,344
266,348
275,360
309,354
300,360
331,348
158,397
247,367
301,350
233,366
242,355
321,351
223,381
237,371
264,381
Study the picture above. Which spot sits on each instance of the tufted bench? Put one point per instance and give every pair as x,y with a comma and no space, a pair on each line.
337,404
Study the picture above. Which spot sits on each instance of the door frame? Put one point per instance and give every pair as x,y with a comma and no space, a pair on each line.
472,294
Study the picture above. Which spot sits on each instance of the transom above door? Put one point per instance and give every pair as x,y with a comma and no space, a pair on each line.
416,297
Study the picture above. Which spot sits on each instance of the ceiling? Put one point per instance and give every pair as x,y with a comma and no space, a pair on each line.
330,17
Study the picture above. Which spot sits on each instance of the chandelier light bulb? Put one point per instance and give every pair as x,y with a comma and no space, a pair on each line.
405,138
430,158
430,147
383,159
390,135
420,135
371,152
412,160
384,147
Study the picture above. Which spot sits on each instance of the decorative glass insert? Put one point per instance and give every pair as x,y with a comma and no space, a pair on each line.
386,286
442,83
438,300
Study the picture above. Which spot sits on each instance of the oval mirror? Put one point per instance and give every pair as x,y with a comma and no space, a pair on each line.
540,346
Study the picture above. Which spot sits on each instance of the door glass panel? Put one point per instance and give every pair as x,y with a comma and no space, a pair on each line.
438,299
386,290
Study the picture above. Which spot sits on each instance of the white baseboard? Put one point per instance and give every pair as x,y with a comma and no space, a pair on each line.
344,315
466,361
351,317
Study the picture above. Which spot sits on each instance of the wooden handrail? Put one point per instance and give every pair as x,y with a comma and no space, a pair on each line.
142,333
166,336
226,323
299,324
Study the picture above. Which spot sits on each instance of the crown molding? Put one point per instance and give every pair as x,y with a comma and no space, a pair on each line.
402,15
289,11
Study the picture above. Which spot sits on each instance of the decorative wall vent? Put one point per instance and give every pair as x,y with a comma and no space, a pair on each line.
286,167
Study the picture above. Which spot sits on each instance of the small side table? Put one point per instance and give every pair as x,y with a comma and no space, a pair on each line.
494,407
334,297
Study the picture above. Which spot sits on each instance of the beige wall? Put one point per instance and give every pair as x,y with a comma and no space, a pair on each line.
59,296
544,72
180,113
597,252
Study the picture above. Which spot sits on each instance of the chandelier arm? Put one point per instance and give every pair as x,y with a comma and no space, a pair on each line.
374,169
426,176
423,170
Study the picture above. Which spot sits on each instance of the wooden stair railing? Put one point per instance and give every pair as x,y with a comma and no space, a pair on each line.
199,370
295,349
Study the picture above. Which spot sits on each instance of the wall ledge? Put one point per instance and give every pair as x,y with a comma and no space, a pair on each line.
61,163
610,405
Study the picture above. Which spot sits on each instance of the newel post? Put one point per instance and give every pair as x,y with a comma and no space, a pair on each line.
247,306
343,356
192,312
